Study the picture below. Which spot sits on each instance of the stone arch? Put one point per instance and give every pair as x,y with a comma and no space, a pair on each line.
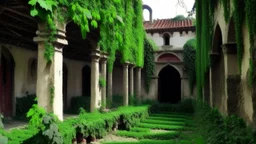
231,38
86,81
7,67
168,57
168,64
169,85
65,86
217,40
218,72
147,7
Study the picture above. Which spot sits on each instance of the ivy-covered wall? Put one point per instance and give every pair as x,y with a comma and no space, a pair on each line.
120,23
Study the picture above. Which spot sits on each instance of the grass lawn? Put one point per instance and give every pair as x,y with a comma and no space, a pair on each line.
160,128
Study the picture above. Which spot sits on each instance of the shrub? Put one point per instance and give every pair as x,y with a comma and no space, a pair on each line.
23,104
79,102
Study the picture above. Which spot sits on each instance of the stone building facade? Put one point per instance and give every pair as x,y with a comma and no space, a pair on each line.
170,37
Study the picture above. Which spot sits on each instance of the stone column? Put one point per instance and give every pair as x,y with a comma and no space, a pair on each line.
154,81
110,85
138,82
131,79
125,84
49,74
95,89
104,76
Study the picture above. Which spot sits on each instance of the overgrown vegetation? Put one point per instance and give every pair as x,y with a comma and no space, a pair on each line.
23,104
214,128
190,62
149,63
120,22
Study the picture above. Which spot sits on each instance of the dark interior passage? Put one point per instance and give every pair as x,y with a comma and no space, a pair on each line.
65,86
86,81
169,85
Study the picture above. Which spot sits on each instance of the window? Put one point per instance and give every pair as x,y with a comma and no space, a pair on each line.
166,39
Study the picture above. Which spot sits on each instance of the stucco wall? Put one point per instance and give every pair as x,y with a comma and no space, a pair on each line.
177,40
23,83
245,102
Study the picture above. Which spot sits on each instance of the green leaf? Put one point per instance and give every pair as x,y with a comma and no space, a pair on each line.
44,5
33,12
94,24
32,2
88,14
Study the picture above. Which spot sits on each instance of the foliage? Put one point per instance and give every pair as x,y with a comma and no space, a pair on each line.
1,123
179,18
36,115
185,106
150,141
251,24
190,62
102,82
149,135
226,7
149,64
204,26
79,102
120,22
217,129
23,104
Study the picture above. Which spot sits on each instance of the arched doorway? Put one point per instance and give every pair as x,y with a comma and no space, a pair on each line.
65,86
86,81
6,82
217,72
169,85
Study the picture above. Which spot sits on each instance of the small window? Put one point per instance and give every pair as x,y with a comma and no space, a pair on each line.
166,39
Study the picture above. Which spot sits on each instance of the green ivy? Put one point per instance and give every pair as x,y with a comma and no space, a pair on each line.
149,64
226,7
190,61
120,22
102,82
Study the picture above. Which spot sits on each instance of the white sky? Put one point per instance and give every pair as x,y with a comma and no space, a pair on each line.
166,8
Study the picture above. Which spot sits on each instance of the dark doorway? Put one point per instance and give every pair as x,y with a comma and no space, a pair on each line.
65,86
6,83
169,85
86,78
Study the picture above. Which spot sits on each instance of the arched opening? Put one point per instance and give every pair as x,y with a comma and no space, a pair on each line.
168,57
65,86
217,72
86,81
6,82
169,85
149,12
166,38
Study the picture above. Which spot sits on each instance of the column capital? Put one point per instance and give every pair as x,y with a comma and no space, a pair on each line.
95,55
229,48
132,65
126,63
43,34
103,56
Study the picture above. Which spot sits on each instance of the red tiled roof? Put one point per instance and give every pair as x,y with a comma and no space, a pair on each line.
164,24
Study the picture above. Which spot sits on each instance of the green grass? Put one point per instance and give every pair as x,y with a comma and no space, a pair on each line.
139,129
167,118
150,141
160,126
171,115
148,135
153,121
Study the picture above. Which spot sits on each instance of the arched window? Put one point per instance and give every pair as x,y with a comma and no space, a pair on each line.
166,39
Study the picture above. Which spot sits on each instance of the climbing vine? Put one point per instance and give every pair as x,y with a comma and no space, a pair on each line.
226,7
149,65
190,62
251,24
120,22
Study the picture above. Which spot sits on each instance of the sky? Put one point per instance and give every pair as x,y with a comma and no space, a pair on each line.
166,8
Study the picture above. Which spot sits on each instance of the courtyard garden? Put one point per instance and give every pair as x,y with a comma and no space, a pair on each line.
188,122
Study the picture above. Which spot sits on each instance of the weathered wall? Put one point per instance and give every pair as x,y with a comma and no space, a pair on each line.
22,73
245,106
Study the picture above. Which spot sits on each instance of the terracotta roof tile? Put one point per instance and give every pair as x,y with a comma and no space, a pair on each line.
162,24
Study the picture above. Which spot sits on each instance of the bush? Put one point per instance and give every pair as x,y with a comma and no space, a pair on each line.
23,104
217,129
79,102
185,106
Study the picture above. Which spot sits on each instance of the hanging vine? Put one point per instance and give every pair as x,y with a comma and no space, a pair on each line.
120,22
226,7
190,62
149,65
